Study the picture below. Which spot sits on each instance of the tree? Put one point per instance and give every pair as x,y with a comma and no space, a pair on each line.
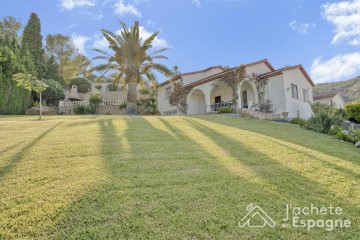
13,100
10,26
233,78
30,83
32,42
51,71
178,97
70,62
131,61
260,84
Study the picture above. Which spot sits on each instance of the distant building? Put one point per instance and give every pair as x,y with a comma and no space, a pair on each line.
331,98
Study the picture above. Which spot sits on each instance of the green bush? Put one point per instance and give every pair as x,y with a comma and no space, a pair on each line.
94,100
79,81
144,91
225,110
84,88
324,117
112,88
298,121
347,137
321,122
353,111
334,130
122,106
83,110
54,92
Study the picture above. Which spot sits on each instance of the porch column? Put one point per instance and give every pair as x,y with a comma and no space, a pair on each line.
239,97
207,102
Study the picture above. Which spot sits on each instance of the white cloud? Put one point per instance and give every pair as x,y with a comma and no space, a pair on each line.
80,42
336,68
197,3
122,9
71,4
301,27
345,15
157,42
150,23
101,42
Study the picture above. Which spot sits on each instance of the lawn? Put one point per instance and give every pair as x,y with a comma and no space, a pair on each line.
112,177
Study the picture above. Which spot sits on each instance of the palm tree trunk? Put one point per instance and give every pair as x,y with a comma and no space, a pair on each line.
131,104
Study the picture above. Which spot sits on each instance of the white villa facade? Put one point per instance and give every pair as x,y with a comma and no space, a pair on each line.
330,99
289,90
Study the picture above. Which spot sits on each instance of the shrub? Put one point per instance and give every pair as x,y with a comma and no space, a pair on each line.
225,110
144,91
353,111
334,130
347,137
83,110
321,122
122,106
298,121
94,100
324,117
84,88
79,81
54,92
112,88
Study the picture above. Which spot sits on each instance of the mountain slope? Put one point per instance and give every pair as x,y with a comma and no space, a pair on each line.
349,90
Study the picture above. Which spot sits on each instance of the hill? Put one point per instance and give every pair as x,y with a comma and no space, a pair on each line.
349,90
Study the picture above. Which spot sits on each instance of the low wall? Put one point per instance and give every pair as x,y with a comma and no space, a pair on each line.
104,109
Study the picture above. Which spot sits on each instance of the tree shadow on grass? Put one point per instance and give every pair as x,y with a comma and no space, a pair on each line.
18,157
281,131
164,185
228,143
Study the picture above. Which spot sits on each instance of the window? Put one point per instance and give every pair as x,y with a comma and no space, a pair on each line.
306,95
167,92
294,91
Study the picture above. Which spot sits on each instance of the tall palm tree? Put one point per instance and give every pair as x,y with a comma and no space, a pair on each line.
130,61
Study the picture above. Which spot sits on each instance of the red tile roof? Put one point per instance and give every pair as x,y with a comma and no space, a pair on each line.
325,96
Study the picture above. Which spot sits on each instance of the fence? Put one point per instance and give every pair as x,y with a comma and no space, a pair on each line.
86,103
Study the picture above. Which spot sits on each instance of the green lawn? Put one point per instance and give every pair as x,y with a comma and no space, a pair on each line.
112,177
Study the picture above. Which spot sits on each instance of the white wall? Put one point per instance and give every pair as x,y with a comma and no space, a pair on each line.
258,69
196,103
339,103
187,79
223,91
163,102
276,93
295,106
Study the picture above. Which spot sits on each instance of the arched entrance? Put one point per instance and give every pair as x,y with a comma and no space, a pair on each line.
196,102
221,96
247,96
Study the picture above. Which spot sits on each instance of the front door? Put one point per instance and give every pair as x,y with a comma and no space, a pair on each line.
244,99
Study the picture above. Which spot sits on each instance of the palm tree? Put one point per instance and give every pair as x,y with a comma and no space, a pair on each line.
130,61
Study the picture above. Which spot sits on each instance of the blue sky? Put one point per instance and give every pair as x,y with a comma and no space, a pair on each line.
324,36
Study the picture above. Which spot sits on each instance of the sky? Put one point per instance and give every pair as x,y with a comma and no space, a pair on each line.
323,36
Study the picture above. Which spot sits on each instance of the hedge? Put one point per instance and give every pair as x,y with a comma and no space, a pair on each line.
353,110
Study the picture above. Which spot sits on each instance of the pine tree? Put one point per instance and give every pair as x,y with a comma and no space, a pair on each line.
52,72
32,42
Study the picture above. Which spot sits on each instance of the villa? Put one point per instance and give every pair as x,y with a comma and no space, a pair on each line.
331,99
288,91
